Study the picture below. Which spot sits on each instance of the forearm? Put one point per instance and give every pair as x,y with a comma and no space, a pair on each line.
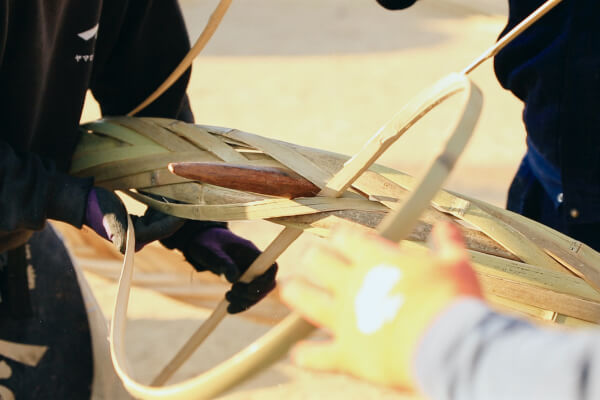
471,352
32,190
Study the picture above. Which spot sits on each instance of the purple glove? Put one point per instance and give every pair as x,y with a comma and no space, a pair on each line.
212,247
107,216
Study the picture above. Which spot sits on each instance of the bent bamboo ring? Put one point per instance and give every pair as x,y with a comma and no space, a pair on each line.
274,344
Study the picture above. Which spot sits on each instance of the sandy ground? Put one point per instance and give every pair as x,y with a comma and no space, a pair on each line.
325,74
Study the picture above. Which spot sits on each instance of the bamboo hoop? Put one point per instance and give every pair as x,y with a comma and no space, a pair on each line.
272,345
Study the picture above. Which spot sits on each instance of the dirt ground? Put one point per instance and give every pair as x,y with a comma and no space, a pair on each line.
325,74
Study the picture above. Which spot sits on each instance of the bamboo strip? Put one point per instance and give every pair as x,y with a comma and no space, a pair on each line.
264,209
167,139
206,141
285,155
532,285
512,34
401,223
509,237
158,177
113,155
512,307
397,126
213,23
576,256
119,132
130,166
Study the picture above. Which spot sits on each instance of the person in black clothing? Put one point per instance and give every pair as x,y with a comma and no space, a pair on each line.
51,53
553,67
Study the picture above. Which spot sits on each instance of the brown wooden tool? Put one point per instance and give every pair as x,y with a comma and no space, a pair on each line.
263,180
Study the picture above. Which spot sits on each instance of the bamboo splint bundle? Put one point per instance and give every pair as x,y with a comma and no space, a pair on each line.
533,267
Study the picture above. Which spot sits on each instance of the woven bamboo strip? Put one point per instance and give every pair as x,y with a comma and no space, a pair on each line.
155,133
510,238
512,307
264,209
106,128
87,161
206,141
285,155
576,256
129,166
158,177
370,185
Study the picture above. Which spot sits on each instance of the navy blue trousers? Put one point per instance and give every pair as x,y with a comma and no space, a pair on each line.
527,197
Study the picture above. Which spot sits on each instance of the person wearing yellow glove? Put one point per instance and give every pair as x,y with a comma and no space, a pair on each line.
415,320
377,301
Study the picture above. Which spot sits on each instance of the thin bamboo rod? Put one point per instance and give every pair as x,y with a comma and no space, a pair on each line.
512,35
213,23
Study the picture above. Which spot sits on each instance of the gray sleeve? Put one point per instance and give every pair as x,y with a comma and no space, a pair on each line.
472,352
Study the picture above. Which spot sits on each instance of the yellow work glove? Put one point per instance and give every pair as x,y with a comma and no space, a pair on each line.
376,300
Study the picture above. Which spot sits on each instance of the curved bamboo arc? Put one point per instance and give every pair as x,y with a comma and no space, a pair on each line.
211,26
276,343
416,109
400,225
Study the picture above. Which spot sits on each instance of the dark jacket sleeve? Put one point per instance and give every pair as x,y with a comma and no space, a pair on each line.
32,190
140,43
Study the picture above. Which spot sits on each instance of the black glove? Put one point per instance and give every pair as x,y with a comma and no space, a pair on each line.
210,246
396,4
206,245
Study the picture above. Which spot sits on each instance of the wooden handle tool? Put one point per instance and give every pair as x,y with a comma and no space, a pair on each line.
263,180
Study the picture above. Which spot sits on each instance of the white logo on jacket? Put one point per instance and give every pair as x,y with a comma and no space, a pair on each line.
87,36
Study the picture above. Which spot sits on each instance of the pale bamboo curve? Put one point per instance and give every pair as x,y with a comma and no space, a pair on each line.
276,343
335,187
211,26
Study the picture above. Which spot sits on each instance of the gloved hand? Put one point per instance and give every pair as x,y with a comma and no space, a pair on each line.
210,246
206,245
396,4
377,301
107,216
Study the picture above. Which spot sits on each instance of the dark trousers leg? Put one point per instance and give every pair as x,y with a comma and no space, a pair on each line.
59,327
527,197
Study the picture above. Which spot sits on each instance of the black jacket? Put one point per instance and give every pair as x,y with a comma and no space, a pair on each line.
51,53
554,67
